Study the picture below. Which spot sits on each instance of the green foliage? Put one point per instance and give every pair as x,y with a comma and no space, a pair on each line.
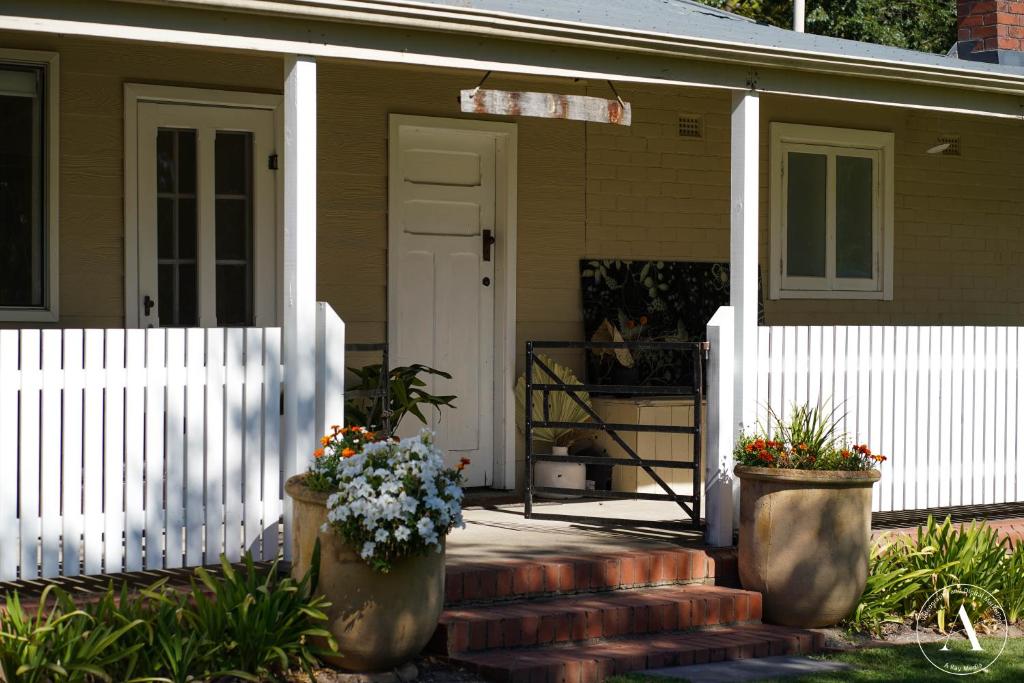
925,25
407,395
561,407
265,622
252,625
905,571
1011,594
58,643
808,440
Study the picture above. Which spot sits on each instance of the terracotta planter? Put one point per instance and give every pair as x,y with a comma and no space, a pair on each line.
380,620
804,542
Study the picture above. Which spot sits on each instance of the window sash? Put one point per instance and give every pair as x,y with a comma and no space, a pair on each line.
831,282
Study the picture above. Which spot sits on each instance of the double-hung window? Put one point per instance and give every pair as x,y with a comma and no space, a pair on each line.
27,231
831,212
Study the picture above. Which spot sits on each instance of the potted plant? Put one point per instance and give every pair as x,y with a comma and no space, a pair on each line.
805,518
381,403
561,408
381,510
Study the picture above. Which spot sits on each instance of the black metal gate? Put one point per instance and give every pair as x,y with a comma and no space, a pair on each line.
689,503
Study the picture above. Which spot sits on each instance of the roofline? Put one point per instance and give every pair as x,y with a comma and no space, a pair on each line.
409,14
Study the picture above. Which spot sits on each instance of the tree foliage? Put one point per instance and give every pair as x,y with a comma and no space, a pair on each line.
926,25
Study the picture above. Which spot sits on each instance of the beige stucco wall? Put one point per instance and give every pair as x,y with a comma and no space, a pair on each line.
585,190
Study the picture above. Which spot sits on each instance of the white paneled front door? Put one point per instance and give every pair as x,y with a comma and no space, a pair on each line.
444,239
206,199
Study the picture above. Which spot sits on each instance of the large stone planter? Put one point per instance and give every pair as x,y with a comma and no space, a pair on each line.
804,542
379,620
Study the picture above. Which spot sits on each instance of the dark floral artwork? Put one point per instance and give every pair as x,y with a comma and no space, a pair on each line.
649,301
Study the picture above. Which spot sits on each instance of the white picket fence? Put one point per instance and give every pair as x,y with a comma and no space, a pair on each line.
129,449
945,404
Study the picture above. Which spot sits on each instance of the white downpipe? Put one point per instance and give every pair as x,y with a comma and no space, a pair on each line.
799,12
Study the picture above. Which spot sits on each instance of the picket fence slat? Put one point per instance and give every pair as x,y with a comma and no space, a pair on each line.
945,404
10,550
138,449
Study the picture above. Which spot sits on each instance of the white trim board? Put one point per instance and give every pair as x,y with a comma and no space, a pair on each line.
137,93
506,182
50,61
587,53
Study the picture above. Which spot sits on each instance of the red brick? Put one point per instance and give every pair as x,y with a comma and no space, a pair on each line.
477,636
627,571
550,574
453,588
503,582
581,574
495,634
529,626
642,570
566,577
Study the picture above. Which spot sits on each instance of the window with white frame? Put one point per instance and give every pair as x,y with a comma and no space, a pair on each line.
27,231
831,212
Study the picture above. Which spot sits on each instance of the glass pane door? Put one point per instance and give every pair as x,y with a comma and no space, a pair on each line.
207,232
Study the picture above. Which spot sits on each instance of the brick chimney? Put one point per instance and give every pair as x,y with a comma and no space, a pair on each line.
991,31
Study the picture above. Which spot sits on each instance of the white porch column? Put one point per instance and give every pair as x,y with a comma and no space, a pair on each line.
721,435
746,117
299,330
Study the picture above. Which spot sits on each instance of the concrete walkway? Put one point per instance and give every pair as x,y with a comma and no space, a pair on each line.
501,533
748,669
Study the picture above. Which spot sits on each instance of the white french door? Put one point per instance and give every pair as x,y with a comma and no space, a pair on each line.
207,212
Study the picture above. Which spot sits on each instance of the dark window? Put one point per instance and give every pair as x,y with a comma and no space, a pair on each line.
176,221
234,212
22,195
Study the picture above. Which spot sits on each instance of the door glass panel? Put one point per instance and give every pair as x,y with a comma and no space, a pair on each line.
806,219
176,227
854,216
234,227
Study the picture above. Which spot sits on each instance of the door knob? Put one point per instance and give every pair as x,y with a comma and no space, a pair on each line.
488,239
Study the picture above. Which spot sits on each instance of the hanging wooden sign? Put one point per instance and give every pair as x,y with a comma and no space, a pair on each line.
546,106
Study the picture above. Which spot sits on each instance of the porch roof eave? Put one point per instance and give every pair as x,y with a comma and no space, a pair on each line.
429,35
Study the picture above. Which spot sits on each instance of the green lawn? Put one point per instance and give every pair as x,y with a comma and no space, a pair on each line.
902,663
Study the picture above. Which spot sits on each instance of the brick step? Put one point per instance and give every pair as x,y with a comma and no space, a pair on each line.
594,662
589,616
466,584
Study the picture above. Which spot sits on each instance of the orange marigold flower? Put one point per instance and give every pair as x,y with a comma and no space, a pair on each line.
845,453
630,324
879,458
643,320
462,464
347,453
750,448
318,453
802,446
765,456
324,440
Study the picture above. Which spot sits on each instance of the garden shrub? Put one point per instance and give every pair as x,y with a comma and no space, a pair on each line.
250,625
905,571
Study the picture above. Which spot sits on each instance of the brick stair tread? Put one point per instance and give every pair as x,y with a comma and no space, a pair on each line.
568,575
593,662
588,616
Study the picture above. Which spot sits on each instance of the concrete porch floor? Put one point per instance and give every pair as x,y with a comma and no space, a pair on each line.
501,533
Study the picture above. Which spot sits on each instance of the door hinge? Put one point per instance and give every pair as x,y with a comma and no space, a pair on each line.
272,162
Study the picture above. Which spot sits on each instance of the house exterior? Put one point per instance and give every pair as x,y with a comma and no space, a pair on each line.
210,164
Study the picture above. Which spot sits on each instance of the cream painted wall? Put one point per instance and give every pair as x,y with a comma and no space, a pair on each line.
92,75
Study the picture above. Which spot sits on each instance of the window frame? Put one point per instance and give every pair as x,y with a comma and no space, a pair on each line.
832,142
50,63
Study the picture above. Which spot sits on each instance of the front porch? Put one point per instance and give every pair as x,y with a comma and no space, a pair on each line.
691,180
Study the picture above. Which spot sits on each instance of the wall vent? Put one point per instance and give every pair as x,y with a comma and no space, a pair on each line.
691,126
954,145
